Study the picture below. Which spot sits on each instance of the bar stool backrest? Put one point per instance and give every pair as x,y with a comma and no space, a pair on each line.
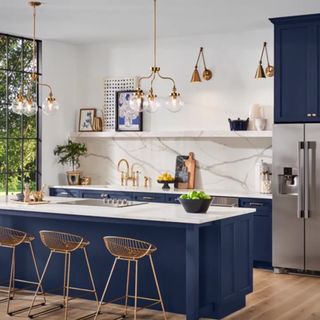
60,241
128,248
11,237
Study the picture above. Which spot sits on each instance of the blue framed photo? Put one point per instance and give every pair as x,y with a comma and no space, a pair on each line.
126,118
86,119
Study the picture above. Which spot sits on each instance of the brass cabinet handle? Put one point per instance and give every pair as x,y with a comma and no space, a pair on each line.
256,204
147,198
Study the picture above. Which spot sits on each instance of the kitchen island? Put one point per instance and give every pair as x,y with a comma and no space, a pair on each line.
204,261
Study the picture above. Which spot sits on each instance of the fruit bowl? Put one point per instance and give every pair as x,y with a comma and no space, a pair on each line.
196,201
165,184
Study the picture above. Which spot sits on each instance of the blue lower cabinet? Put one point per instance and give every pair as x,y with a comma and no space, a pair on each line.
149,197
60,192
262,231
172,198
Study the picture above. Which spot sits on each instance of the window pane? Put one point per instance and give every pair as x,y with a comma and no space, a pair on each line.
30,177
27,56
14,85
15,54
2,184
30,126
14,155
3,87
14,183
3,52
29,87
14,125
29,155
3,146
3,122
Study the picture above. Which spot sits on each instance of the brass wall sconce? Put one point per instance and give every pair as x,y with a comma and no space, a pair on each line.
269,71
207,74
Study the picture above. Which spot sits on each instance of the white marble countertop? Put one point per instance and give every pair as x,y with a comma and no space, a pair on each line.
147,212
157,189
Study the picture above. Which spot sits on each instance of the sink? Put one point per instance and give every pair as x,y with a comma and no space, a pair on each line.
112,203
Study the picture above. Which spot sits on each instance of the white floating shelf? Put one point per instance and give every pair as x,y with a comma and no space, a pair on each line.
173,134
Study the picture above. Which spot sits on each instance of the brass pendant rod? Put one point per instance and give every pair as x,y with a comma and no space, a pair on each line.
168,78
144,78
266,49
155,33
196,66
204,61
263,48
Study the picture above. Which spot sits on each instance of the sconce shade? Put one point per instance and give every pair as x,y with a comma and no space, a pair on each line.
195,75
260,74
270,71
207,74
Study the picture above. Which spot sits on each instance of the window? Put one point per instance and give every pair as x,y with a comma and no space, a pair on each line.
19,135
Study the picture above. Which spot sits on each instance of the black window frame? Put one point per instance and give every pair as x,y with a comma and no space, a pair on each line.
38,138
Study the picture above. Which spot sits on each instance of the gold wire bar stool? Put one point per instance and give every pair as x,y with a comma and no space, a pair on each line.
131,250
11,238
64,243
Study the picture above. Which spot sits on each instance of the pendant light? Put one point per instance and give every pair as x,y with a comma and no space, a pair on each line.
26,104
149,101
269,71
207,74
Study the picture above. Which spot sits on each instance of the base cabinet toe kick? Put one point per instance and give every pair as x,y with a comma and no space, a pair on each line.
204,270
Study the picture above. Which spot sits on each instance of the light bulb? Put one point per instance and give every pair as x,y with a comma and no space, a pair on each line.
18,105
50,105
30,108
174,103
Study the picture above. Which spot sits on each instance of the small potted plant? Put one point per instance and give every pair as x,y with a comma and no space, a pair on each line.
70,154
195,202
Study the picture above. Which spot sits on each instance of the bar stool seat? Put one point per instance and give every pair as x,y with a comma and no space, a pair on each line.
11,238
131,250
64,243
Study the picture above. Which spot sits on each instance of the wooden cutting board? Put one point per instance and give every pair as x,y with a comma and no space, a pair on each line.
190,163
185,172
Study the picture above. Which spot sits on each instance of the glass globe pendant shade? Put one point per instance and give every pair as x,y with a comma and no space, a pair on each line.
50,105
18,104
136,101
152,103
30,108
174,103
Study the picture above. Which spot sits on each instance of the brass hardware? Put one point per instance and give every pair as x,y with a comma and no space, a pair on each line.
64,243
10,238
146,181
207,74
150,103
269,71
131,250
129,174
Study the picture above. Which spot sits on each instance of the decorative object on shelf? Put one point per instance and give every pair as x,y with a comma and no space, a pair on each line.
70,154
238,125
127,119
149,102
38,196
257,120
86,118
166,178
27,104
260,124
85,181
97,124
111,86
207,74
269,71
185,172
195,202
26,193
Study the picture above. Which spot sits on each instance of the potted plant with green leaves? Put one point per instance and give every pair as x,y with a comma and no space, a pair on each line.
70,154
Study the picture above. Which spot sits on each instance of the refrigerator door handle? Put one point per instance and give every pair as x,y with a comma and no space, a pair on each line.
301,158
307,179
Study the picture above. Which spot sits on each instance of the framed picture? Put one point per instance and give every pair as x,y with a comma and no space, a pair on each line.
126,118
86,119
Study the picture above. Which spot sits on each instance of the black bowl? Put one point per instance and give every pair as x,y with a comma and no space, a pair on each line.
196,206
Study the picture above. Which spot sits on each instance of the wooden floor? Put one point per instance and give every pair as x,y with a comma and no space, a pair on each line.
275,297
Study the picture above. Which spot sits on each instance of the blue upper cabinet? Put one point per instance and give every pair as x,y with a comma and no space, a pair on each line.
297,69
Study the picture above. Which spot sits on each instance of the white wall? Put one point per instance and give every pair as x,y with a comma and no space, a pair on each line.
233,58
60,70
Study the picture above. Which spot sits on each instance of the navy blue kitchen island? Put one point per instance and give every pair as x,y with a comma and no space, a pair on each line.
204,262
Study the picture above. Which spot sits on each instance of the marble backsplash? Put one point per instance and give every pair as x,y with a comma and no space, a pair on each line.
222,164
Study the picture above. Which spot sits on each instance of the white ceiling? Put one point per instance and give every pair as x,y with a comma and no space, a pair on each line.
88,21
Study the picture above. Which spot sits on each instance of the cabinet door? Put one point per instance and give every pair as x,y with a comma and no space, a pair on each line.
294,90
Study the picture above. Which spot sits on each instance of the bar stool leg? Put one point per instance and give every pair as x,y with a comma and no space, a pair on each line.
37,271
90,274
158,288
127,290
67,286
12,276
39,285
65,278
135,292
106,288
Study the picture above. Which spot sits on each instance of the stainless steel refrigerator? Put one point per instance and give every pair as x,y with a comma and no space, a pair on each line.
296,196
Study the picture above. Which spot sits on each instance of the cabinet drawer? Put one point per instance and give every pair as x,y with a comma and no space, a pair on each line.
149,197
172,198
262,206
71,193
106,194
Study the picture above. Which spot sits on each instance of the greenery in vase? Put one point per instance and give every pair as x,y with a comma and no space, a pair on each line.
70,153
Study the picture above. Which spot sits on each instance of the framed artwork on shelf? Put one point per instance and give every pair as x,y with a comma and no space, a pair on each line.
127,119
86,117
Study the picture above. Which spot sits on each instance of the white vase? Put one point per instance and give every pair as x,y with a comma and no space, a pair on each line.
260,124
